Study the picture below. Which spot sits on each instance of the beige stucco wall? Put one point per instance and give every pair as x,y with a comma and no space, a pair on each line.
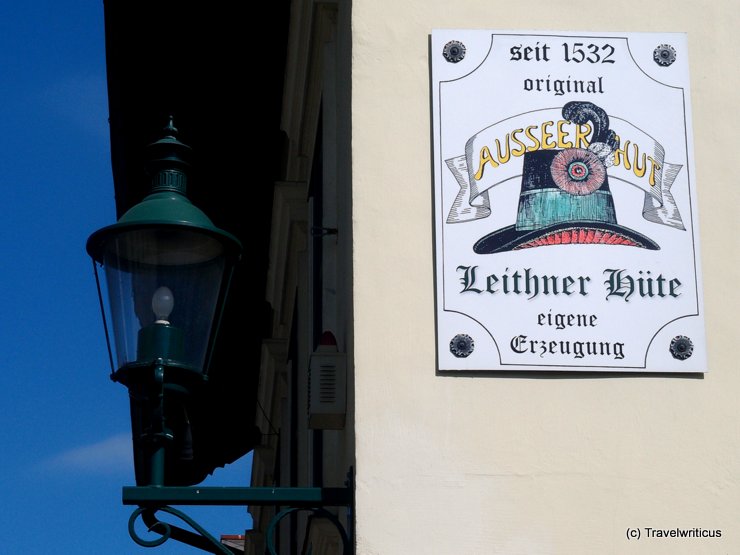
451,465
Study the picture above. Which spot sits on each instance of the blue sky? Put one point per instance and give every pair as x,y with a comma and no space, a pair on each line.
64,426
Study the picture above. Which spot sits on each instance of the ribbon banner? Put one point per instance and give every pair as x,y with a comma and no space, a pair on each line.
491,158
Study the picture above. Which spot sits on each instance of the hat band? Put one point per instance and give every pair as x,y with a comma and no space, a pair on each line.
544,207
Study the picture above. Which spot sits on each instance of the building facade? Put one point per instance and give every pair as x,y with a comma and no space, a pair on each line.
527,464
341,229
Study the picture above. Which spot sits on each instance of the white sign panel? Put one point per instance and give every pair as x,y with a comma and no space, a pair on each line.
565,203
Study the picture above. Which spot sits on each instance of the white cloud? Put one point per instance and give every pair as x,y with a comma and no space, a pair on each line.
108,456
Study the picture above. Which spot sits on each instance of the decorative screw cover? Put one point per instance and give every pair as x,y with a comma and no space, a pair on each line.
681,347
454,51
664,55
462,345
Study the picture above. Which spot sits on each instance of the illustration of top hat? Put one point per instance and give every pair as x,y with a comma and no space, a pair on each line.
565,196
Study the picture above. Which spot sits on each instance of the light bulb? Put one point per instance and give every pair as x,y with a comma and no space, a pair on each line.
162,304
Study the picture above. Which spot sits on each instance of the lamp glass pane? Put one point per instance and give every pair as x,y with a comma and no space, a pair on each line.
139,262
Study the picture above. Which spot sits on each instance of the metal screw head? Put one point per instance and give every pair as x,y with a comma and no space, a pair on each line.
681,347
664,55
462,345
454,51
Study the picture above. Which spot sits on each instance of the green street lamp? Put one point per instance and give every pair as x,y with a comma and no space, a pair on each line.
167,271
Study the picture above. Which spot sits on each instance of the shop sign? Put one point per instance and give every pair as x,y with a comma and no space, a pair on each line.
565,204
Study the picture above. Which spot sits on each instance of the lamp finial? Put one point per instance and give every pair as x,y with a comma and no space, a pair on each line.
168,164
170,129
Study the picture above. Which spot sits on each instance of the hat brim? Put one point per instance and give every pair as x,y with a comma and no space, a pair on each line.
509,238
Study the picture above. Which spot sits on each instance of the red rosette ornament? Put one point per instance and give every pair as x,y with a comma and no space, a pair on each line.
577,171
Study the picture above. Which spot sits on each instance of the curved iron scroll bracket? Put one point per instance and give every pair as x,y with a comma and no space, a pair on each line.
202,540
318,511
